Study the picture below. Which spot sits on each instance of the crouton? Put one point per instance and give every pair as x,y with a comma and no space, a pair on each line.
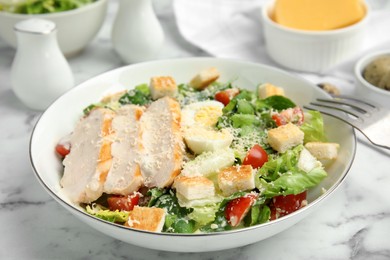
204,78
144,218
323,151
192,188
162,86
266,90
285,137
236,178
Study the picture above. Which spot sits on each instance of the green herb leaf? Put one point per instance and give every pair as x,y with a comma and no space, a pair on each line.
154,194
240,120
279,102
140,95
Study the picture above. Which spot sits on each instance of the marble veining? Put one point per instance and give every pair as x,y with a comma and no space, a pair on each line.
353,224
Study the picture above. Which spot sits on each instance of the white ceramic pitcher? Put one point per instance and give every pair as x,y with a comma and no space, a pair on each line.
137,34
40,73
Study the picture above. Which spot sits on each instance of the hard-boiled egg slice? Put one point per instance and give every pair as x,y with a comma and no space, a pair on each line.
208,163
203,113
200,139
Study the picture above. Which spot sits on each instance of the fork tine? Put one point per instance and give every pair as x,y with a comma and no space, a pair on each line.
371,119
357,114
360,101
358,105
337,114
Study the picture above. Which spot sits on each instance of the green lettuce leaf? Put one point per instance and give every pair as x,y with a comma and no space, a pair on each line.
292,182
257,215
169,202
281,175
42,6
264,215
204,215
140,95
176,220
241,120
253,216
245,107
108,215
154,194
175,224
276,166
246,95
313,127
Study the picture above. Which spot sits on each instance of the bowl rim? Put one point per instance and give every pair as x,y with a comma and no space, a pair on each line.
361,65
81,9
76,210
267,19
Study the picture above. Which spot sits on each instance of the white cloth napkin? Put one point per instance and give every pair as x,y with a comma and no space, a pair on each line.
233,29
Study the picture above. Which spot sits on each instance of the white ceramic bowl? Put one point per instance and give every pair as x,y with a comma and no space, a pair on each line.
312,51
366,89
76,28
60,118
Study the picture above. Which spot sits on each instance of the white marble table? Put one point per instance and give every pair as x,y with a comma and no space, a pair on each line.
353,224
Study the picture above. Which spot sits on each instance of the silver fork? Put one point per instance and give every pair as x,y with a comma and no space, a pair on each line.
372,120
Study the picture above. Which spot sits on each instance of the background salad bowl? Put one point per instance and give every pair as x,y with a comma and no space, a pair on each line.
76,27
60,118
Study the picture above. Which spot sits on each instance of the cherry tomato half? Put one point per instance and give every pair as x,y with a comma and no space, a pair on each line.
279,120
222,97
291,115
284,205
63,149
226,95
237,209
126,203
256,157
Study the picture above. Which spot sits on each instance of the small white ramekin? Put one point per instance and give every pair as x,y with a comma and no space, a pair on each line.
366,89
311,51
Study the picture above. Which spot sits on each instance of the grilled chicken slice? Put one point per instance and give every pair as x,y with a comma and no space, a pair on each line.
125,176
162,153
88,163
